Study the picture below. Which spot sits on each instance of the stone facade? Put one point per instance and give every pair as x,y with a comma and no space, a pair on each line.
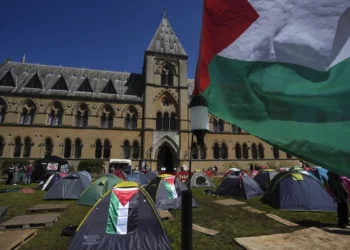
88,114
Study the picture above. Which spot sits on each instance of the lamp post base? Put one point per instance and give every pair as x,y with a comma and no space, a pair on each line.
186,220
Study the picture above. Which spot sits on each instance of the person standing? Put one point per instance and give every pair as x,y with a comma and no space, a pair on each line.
15,175
340,196
28,175
105,168
21,171
216,170
251,167
9,180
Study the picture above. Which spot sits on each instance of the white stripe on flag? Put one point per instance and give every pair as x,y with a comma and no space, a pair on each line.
173,190
47,182
122,222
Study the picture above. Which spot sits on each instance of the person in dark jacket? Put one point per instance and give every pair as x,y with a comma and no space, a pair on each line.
340,196
9,180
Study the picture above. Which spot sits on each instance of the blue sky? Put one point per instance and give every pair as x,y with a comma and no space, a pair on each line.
107,34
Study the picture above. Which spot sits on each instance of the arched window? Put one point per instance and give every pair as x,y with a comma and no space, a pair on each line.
224,151
254,151
27,147
3,108
18,147
27,114
55,115
221,126
67,148
48,147
127,121
126,149
261,152
159,121
276,153
78,147
238,151
135,150
245,151
215,125
173,121
106,149
203,151
81,117
166,121
235,129
134,121
107,117
98,149
167,77
2,145
289,156
216,151
194,151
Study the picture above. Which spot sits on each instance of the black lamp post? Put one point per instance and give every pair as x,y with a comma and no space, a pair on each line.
199,126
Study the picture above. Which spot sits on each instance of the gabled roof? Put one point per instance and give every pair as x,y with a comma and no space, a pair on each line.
165,40
85,86
128,86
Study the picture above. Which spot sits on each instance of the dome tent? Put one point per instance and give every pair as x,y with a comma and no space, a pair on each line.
298,192
54,177
239,185
151,175
124,218
264,177
97,189
69,187
200,180
165,191
138,177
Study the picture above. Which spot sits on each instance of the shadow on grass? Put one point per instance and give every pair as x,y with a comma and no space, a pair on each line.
312,223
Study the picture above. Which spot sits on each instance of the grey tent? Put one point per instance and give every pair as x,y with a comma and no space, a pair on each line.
125,218
239,185
201,180
69,187
138,177
264,178
151,175
165,190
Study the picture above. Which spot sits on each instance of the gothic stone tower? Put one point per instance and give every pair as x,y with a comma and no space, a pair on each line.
166,100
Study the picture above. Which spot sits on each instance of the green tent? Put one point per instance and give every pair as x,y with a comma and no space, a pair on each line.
97,189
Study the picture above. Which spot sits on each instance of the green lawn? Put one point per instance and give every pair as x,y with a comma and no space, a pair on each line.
231,221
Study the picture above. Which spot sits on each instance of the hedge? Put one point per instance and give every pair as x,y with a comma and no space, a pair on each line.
92,166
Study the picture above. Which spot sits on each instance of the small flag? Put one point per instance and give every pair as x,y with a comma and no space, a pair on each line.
170,187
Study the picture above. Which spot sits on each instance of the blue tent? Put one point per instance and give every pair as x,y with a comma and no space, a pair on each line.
321,174
138,177
263,178
298,192
241,185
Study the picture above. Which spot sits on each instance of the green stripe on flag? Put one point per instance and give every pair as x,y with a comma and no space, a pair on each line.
112,215
168,190
305,113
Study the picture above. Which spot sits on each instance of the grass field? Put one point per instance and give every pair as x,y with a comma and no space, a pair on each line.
231,221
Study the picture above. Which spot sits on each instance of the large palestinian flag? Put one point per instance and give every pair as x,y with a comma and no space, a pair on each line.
122,214
280,69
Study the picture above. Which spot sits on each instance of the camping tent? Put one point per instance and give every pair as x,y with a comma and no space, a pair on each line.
151,175
263,178
97,189
49,164
69,187
54,177
231,171
2,212
138,177
239,185
201,180
120,174
125,218
165,190
298,192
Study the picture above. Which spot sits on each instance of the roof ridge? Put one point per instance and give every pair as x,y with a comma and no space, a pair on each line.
65,67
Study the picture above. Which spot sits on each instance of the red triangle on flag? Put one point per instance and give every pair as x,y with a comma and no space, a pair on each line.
124,195
170,180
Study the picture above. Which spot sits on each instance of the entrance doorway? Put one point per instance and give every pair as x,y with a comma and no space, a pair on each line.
165,159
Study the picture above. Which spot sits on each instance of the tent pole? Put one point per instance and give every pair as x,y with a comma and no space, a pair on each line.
186,210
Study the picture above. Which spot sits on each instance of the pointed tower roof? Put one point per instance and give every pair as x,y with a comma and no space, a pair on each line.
165,40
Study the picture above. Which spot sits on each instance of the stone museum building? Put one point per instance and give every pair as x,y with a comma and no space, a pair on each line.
78,113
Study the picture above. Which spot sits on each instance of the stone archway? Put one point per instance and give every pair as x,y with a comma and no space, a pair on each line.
166,158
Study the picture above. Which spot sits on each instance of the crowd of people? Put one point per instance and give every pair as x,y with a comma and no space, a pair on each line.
19,174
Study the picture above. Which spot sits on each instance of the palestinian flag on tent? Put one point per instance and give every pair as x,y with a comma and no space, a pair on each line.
170,187
280,69
122,214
